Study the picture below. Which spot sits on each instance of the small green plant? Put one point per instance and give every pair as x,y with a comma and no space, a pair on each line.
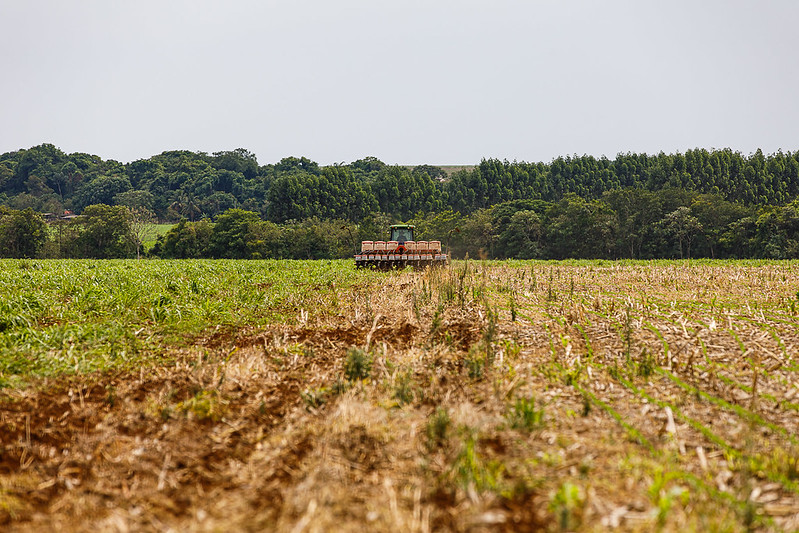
403,388
567,505
512,349
588,348
481,354
489,334
513,307
358,364
339,387
551,296
586,405
778,463
475,362
615,371
571,376
11,506
437,321
627,334
204,405
314,398
646,364
195,287
438,428
110,396
664,499
524,415
585,466
471,470
461,281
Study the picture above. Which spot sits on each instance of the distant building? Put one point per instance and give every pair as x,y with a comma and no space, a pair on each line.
52,217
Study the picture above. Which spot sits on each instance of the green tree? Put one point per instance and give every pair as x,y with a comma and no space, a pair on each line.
297,164
185,205
373,227
637,213
317,239
434,172
40,162
368,167
521,238
715,214
142,226
266,240
135,199
739,240
235,234
683,226
186,240
22,233
332,193
580,228
102,190
441,226
240,160
777,231
476,236
218,202
402,193
102,232
6,173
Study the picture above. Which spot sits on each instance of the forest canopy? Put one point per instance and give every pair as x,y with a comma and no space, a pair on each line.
717,203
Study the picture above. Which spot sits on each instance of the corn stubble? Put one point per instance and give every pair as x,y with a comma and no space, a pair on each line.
307,396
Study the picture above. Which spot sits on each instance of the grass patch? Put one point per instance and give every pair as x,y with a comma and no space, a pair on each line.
80,316
358,364
524,415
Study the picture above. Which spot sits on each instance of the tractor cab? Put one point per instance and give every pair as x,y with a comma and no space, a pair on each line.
402,233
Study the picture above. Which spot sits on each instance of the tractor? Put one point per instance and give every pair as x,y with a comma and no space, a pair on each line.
400,250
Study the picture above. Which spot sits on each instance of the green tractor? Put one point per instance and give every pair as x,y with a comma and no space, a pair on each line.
400,250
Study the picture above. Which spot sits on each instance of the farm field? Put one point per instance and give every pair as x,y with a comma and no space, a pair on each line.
153,232
310,396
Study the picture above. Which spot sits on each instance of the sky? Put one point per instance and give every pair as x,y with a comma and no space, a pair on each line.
409,82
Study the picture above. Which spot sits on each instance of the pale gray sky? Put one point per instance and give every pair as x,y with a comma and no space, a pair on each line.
440,82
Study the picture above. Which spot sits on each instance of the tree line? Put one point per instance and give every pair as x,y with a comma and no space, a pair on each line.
701,203
625,223
196,185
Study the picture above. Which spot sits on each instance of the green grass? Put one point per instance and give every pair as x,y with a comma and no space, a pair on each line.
65,316
150,236
159,229
155,231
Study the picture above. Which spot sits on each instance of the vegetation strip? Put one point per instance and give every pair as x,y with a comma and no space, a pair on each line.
712,437
737,409
637,436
